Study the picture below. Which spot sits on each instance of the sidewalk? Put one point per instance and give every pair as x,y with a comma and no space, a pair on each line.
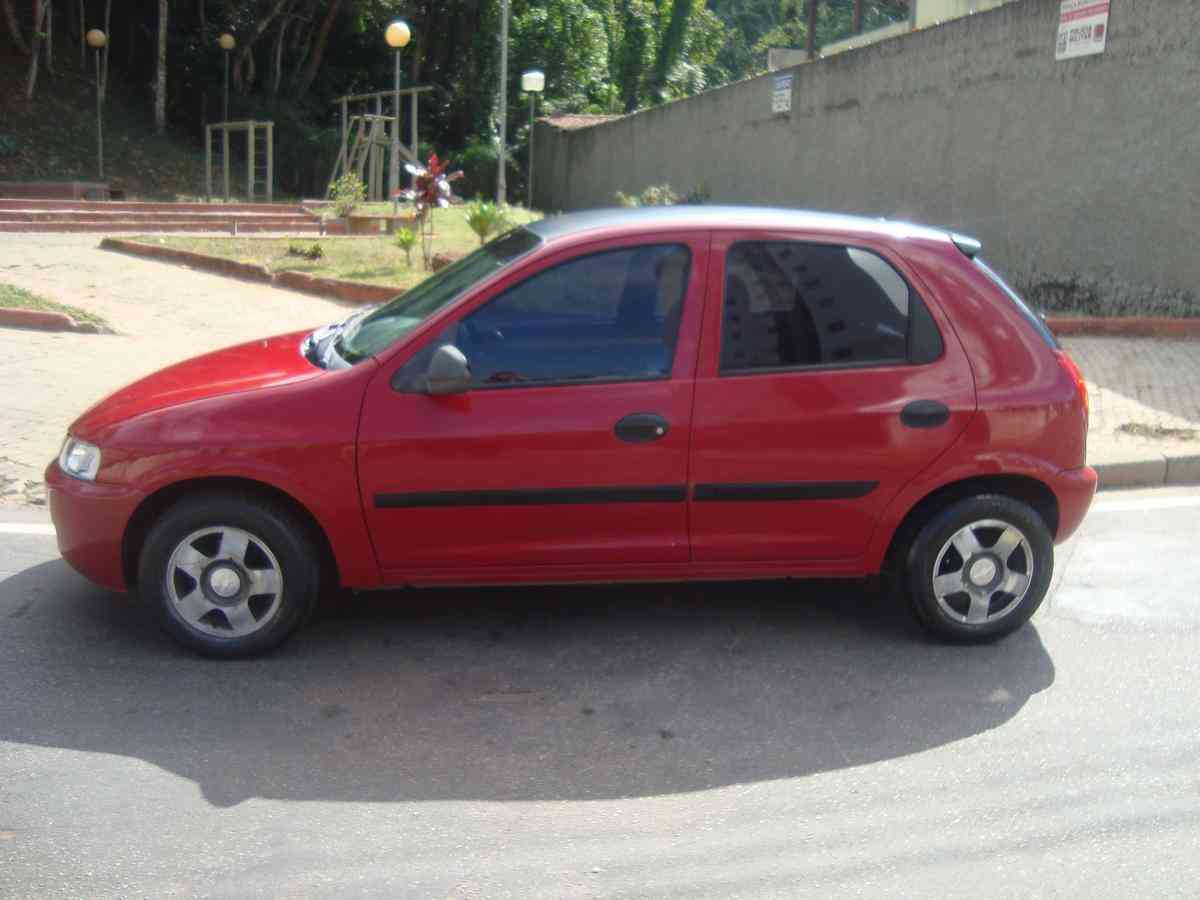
1145,393
1145,408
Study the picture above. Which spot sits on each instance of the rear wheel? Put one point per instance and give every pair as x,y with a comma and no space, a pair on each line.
979,569
229,577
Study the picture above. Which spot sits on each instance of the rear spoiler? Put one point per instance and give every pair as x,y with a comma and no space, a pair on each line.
969,246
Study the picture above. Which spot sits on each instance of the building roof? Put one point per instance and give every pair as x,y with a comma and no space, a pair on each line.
573,121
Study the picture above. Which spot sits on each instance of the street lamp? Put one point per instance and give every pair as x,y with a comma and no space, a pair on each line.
397,36
533,83
97,39
226,43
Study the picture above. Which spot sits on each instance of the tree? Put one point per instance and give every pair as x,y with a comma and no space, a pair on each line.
14,30
160,79
35,45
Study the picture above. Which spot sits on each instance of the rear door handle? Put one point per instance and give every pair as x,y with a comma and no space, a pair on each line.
925,414
642,428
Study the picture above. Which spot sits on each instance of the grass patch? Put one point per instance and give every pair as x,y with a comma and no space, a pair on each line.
371,260
13,297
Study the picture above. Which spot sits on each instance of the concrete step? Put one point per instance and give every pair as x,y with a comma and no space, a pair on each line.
224,226
140,207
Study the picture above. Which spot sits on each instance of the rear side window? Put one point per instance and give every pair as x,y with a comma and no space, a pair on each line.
1027,314
795,305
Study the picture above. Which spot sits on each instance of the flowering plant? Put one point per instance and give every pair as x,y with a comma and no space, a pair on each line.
431,188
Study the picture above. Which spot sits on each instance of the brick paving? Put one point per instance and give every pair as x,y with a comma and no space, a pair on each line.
165,313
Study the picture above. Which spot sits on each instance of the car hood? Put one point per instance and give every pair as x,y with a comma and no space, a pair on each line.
257,364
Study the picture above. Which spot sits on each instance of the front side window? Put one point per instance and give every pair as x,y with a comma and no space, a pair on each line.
605,316
793,305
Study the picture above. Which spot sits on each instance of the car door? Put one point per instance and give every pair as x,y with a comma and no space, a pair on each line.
825,384
569,450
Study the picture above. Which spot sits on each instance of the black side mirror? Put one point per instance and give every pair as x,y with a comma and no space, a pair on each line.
448,372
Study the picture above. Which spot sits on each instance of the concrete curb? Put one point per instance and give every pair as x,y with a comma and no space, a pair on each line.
1125,326
40,320
215,264
1152,470
330,288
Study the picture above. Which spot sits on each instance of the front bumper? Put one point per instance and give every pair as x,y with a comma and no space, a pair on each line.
90,519
1074,489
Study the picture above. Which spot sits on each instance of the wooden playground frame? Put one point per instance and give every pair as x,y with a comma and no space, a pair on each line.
252,129
374,136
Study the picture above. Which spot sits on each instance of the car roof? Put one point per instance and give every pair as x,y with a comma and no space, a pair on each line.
625,220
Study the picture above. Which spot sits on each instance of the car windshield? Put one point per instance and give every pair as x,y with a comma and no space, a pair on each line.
369,334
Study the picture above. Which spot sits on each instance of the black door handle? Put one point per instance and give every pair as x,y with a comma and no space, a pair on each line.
641,428
925,414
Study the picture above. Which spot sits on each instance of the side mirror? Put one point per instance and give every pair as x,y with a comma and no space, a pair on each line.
448,372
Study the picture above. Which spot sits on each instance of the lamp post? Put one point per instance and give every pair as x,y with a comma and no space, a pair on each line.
97,39
397,36
227,43
533,83
501,187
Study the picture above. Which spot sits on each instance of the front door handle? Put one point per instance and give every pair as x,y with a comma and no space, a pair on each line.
641,428
925,414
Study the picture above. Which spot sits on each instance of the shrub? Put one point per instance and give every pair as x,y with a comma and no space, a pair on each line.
348,192
406,239
8,145
312,251
486,219
654,195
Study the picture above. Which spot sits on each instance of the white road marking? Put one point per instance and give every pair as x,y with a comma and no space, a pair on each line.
26,528
1104,506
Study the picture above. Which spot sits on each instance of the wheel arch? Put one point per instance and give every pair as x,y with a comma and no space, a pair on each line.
1037,494
153,506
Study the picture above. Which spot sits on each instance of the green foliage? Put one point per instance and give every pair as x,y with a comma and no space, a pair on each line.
406,239
486,219
348,192
8,145
311,252
654,195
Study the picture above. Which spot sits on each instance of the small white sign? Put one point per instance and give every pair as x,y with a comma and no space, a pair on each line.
1082,28
781,97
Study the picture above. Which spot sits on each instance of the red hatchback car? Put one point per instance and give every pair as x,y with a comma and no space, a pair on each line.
625,395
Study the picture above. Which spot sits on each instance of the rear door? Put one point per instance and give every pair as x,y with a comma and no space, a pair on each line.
825,384
569,452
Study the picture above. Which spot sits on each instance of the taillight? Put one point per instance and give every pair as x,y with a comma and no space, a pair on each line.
1068,364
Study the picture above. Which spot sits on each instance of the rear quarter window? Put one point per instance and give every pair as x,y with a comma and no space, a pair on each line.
1035,321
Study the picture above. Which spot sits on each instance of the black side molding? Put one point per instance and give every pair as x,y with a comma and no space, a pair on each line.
665,493
800,490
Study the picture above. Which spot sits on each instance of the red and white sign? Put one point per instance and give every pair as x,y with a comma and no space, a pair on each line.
1082,28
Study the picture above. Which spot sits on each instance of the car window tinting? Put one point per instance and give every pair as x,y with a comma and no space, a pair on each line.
398,317
790,304
611,315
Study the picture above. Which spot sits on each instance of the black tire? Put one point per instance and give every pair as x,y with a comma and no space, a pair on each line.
275,541
955,616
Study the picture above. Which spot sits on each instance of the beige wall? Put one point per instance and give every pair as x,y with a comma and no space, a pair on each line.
1083,172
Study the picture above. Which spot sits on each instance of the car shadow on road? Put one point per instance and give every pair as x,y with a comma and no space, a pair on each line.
507,694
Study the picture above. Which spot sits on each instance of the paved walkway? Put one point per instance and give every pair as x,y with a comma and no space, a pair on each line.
164,313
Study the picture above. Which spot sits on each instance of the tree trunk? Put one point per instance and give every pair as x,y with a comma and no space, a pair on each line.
49,31
82,38
244,69
318,52
160,80
202,16
35,46
277,71
14,30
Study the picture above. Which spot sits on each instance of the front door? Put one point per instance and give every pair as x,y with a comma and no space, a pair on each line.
569,451
824,386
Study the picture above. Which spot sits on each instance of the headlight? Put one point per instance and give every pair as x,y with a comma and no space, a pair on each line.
79,459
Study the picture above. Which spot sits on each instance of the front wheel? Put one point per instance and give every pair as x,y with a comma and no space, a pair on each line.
228,577
979,569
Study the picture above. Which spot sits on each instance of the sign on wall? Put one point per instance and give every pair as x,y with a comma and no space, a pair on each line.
781,96
1082,28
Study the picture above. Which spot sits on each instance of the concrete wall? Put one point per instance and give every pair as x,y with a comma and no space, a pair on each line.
1081,176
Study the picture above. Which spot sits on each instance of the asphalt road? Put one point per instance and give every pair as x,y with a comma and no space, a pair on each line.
709,741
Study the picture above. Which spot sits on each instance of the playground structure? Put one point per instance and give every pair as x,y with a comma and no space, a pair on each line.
368,137
260,158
